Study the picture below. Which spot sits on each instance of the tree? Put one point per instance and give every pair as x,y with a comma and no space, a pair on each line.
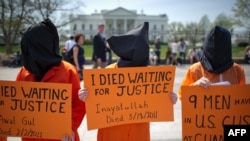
204,26
224,21
16,15
241,11
192,32
176,29
12,15
57,10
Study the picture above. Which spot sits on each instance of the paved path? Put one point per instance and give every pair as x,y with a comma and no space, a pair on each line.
160,131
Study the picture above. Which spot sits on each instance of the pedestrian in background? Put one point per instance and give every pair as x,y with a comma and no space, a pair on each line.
174,49
182,50
68,45
168,56
158,49
109,52
78,54
99,49
247,55
152,57
193,55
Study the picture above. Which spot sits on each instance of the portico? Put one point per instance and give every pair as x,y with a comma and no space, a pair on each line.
119,21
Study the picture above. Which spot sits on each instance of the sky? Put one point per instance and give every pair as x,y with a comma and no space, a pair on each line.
184,11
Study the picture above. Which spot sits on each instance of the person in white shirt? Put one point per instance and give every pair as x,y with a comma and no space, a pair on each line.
174,48
69,43
193,56
152,57
183,48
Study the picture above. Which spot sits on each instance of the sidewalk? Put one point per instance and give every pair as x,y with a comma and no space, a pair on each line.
160,131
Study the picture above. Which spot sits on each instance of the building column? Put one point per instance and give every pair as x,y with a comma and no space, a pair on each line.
125,26
114,26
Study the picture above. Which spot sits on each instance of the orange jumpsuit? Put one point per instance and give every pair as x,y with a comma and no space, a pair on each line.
64,73
126,132
235,75
3,138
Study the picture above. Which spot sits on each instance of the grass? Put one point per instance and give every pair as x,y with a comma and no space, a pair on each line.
237,52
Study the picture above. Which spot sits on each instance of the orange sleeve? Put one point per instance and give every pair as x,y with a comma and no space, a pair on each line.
19,75
3,138
24,75
113,65
242,76
78,106
187,81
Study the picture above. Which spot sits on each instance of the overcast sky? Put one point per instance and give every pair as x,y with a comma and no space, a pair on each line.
184,11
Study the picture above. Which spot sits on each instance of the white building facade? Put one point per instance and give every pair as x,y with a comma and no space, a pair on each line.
118,21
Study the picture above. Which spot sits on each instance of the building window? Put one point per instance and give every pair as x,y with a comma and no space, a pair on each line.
83,27
162,27
110,26
90,27
75,27
154,27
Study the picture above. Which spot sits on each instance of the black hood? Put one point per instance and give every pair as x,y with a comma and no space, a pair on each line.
132,47
40,48
217,55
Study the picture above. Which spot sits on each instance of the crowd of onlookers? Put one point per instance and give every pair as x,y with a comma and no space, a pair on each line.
177,53
14,60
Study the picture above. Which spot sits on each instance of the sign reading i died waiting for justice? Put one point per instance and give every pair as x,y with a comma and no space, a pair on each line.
34,109
206,111
128,95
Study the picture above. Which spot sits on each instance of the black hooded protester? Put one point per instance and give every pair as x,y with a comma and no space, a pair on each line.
40,53
133,50
216,63
43,63
132,47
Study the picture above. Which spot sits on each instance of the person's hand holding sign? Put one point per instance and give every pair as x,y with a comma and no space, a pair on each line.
173,97
203,81
82,94
68,138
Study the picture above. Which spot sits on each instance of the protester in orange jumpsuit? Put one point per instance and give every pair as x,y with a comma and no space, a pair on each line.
3,138
42,63
216,64
133,50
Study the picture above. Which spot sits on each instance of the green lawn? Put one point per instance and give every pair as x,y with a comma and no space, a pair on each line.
236,51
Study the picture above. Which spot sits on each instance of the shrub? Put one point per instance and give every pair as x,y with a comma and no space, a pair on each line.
242,44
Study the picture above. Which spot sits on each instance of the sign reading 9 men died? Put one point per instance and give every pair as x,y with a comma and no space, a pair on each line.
205,112
128,95
35,109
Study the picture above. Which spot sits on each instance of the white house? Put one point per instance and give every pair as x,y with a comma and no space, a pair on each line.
118,21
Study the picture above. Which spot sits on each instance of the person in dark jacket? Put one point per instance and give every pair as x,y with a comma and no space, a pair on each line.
99,50
158,49
78,54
